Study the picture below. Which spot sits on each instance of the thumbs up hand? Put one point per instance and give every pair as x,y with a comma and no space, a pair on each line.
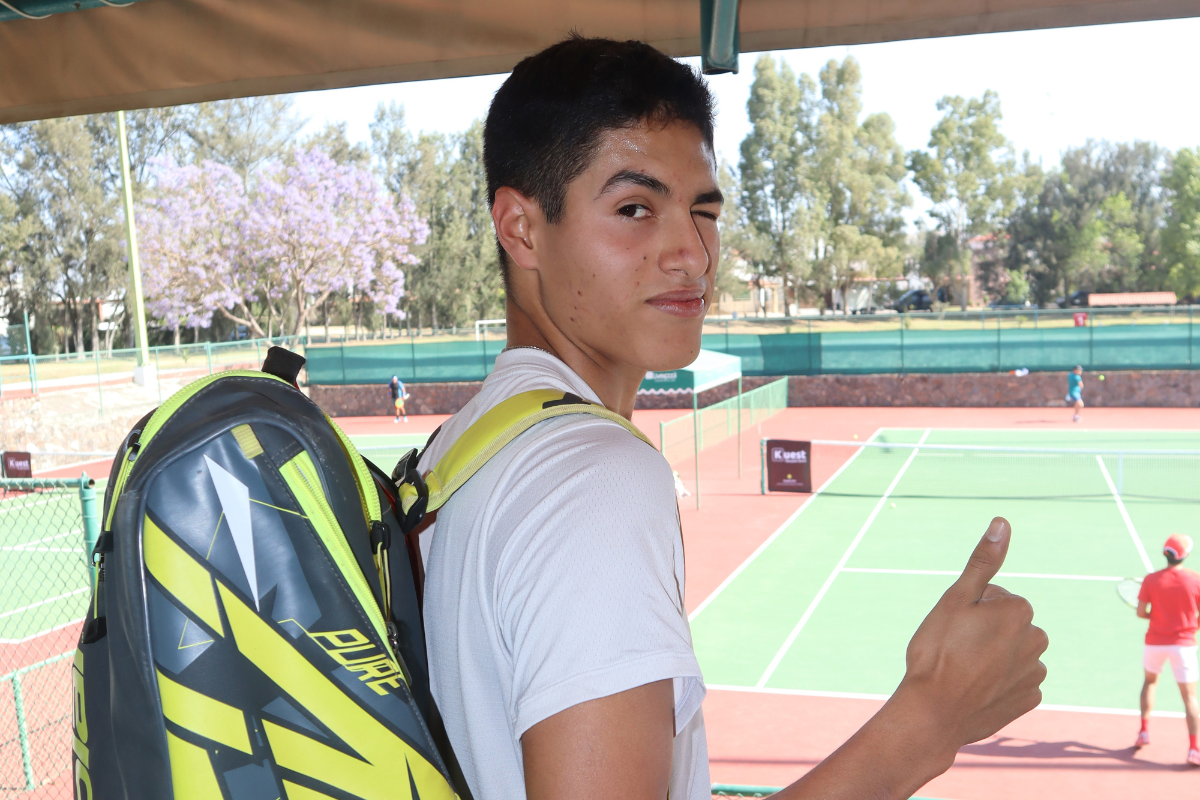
974,662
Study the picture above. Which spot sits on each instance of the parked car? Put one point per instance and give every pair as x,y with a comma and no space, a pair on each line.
913,300
1004,305
1073,300
239,332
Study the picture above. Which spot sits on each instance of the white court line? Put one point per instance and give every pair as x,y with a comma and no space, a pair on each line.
808,612
1133,534
1124,712
35,542
46,632
778,530
44,602
952,573
21,548
23,506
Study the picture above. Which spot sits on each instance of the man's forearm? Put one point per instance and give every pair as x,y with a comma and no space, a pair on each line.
898,751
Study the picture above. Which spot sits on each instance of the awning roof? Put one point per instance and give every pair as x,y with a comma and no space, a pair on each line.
168,52
708,370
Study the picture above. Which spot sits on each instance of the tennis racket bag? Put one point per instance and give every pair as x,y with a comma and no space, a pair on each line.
254,632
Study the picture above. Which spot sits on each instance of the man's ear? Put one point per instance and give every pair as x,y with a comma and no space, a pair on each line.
517,219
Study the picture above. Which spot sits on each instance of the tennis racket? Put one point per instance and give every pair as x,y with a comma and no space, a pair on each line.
1128,589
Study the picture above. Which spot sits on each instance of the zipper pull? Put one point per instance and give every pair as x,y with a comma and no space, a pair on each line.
393,634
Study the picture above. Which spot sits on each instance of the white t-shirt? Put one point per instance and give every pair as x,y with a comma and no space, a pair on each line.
553,577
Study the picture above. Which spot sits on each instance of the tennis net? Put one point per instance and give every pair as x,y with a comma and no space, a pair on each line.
999,472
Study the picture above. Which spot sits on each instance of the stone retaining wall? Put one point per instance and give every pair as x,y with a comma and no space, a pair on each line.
1171,389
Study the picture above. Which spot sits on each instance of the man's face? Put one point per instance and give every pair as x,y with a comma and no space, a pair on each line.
628,273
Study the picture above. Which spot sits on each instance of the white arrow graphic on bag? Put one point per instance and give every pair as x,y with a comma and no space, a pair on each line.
235,502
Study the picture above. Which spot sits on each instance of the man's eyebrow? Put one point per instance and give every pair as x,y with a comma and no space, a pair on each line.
711,196
630,176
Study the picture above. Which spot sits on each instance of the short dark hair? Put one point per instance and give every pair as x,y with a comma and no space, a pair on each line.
1173,562
545,122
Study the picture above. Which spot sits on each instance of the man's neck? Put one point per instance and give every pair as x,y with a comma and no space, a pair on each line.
615,384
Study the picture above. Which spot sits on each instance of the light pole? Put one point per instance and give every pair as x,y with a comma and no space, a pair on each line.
143,373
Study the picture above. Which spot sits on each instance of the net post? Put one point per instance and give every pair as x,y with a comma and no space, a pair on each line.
23,732
157,376
91,522
739,431
99,387
696,441
762,465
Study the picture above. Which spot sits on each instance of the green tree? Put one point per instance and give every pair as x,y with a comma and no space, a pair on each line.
333,141
774,221
971,177
1181,237
243,133
58,182
458,278
1062,221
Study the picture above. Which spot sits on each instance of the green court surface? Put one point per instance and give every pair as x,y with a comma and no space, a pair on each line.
830,603
43,575
384,450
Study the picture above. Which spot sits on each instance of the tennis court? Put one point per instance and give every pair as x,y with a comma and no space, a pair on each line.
44,592
828,604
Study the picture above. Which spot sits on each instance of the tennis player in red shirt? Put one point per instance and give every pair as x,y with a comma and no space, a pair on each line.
1170,599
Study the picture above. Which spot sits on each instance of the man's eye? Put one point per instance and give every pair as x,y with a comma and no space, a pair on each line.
706,215
634,211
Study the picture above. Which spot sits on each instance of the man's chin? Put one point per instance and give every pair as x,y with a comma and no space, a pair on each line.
661,361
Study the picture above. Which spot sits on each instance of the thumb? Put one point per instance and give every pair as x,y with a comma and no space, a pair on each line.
986,561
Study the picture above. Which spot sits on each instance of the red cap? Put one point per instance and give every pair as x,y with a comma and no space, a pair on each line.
1178,546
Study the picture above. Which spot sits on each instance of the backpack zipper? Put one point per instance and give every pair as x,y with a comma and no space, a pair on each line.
301,477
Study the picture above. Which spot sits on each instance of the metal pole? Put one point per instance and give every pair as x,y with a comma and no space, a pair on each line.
157,377
696,442
1091,339
23,732
208,355
135,273
762,464
999,361
91,522
33,387
99,385
739,426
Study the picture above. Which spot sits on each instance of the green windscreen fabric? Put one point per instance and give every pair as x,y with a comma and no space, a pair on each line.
708,370
435,362
993,349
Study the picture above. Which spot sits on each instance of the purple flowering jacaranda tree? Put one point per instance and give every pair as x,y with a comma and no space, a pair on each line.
304,230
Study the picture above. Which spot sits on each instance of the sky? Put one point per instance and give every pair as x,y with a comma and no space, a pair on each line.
1057,88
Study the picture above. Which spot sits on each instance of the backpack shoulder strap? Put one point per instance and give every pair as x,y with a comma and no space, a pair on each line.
486,437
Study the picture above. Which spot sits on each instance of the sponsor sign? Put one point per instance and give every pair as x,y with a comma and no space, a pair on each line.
789,466
17,465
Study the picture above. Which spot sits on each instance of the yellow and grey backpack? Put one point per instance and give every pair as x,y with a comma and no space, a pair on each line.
255,631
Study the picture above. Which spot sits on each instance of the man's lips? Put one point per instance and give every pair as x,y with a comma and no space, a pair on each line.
681,303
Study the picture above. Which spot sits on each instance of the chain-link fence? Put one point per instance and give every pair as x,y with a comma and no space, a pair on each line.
46,526
686,436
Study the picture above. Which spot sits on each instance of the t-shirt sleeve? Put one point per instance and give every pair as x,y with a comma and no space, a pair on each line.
589,587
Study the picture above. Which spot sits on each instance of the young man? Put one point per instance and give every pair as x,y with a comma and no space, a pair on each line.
560,653
398,397
1170,599
1075,390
